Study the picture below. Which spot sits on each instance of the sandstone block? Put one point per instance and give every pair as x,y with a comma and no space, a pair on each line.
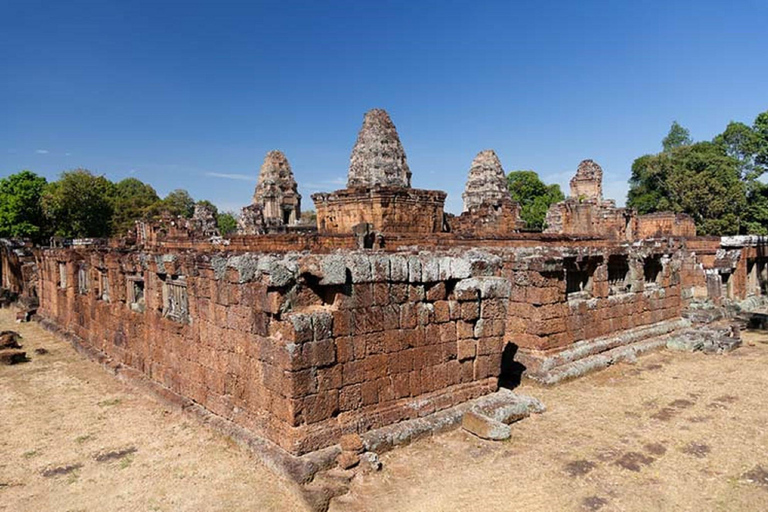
351,443
484,427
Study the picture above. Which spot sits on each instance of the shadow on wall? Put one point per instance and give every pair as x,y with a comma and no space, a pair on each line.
511,371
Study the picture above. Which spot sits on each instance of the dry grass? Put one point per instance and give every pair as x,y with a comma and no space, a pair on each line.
672,432
105,447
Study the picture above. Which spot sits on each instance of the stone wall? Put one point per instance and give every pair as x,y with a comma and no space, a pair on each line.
665,224
591,218
18,270
567,296
395,210
298,349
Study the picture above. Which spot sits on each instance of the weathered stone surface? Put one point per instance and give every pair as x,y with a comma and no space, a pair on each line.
204,220
378,157
485,427
348,460
251,220
487,182
351,443
9,339
587,184
10,356
708,339
276,200
369,462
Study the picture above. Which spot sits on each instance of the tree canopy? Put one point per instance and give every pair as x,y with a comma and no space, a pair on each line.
714,182
131,201
534,196
179,202
21,214
227,223
677,137
78,205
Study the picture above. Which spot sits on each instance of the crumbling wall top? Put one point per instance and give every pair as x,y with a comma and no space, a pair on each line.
378,158
587,184
487,183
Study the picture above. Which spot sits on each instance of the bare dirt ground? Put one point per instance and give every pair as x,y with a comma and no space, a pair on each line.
672,432
675,431
73,438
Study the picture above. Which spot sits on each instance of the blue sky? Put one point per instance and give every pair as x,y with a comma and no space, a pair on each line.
193,94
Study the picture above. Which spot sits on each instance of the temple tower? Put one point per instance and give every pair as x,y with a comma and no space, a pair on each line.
276,191
487,183
378,157
587,184
379,198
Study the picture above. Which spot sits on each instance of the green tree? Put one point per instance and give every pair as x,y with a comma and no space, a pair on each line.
179,202
534,196
700,179
741,142
131,201
677,137
227,223
79,204
21,214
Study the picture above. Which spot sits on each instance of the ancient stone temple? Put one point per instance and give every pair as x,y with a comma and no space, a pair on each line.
586,213
378,158
488,205
204,220
379,193
276,196
588,182
487,182
291,340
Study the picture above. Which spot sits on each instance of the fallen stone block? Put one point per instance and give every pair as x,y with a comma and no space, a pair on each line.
351,443
9,339
485,427
709,339
25,316
10,356
369,462
490,416
347,460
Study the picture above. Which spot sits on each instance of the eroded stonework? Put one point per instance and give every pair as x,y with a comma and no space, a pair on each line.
488,206
487,182
379,197
204,221
586,213
277,192
587,184
378,157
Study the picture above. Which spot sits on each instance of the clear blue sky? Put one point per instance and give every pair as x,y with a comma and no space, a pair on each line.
184,94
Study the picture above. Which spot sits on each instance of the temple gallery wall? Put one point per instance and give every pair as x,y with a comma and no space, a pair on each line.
388,310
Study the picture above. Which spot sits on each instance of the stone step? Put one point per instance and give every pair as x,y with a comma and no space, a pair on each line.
599,361
489,417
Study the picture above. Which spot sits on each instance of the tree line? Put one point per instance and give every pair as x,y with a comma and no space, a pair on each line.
717,182
82,205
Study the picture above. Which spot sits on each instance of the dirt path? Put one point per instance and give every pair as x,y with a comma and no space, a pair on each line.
72,438
672,432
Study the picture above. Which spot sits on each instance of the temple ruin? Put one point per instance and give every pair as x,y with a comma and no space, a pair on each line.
586,213
488,205
293,340
379,197
276,201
